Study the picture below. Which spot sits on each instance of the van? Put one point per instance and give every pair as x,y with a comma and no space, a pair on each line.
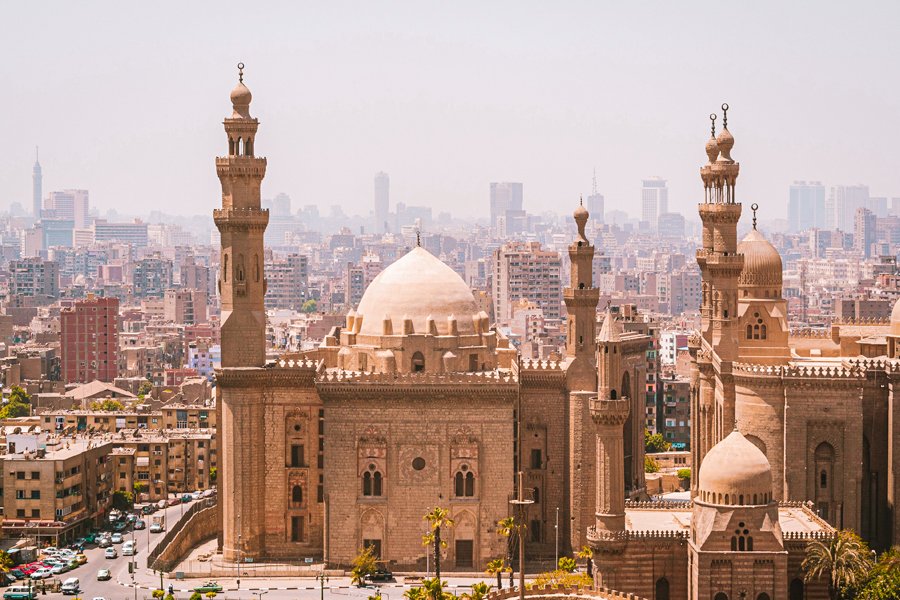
19,592
71,586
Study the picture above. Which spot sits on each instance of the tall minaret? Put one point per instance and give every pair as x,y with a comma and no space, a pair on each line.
581,299
36,187
242,223
721,266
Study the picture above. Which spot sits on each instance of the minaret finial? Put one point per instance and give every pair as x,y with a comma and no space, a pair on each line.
241,72
580,200
754,206
725,115
712,119
418,238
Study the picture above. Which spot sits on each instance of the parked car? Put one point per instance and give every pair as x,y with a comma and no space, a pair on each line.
162,504
17,573
119,526
173,502
380,574
208,493
104,542
149,509
110,553
42,573
130,518
209,586
104,575
59,569
116,538
156,527
140,524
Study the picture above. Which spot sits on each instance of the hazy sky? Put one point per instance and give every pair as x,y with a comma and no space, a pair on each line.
127,99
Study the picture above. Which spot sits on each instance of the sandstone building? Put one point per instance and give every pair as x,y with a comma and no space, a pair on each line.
415,402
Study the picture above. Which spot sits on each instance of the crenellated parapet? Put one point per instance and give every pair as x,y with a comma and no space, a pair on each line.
418,378
659,505
627,535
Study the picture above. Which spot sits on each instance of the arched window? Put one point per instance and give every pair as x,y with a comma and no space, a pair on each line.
626,385
372,482
762,333
612,394
240,269
376,484
367,484
756,332
741,540
749,332
418,363
823,479
721,596
470,484
662,589
225,268
459,484
297,495
256,267
763,596
824,457
464,483
796,590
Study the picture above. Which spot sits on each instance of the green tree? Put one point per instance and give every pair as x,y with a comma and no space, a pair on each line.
655,442
479,591
108,404
364,564
650,464
196,596
438,519
563,578
415,593
883,582
496,567
507,528
17,394
434,589
210,594
844,560
587,554
145,388
309,306
17,405
213,474
684,473
6,562
169,597
139,487
122,500
567,564
158,593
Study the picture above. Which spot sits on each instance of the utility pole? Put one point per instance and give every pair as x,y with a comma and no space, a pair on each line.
556,527
520,506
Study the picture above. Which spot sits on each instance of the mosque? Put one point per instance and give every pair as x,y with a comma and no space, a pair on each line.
417,401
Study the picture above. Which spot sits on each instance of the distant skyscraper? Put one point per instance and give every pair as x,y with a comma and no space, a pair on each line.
595,202
806,206
840,209
36,187
382,201
70,205
654,200
864,228
505,197
281,205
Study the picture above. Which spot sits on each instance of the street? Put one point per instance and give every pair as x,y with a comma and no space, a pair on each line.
119,587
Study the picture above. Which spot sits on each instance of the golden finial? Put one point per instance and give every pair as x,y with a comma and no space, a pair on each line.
754,207
712,118
241,72
724,115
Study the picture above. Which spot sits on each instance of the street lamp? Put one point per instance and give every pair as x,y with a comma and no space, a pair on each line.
556,527
260,593
520,505
323,579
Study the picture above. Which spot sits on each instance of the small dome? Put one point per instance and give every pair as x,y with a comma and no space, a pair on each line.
735,472
895,319
581,217
725,142
762,263
240,101
418,287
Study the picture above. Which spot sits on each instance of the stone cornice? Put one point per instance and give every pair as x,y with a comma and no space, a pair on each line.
420,391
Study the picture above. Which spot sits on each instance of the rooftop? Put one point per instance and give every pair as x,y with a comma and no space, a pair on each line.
795,518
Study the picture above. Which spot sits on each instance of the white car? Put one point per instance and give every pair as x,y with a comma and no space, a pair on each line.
116,538
42,573
110,553
156,527
129,549
59,569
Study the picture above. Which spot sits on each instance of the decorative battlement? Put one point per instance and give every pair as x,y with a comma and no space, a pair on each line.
792,536
298,363
875,364
862,321
804,371
593,535
548,591
530,364
468,378
609,412
810,333
659,504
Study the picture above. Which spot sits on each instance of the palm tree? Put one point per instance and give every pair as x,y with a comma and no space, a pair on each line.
438,518
479,591
415,593
507,528
434,588
844,560
496,567
587,554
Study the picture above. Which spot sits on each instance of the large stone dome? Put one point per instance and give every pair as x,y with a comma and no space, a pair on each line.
735,472
417,287
762,263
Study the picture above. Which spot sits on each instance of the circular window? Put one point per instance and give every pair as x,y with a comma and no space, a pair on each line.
465,468
741,524
418,463
372,467
756,315
297,427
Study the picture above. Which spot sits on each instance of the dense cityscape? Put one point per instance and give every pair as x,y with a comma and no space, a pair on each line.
608,396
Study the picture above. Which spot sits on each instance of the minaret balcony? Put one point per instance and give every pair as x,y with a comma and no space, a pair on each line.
609,411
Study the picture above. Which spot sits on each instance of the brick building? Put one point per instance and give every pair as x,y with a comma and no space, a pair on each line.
89,340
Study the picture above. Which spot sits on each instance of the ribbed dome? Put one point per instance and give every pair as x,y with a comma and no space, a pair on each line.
895,318
735,472
417,287
762,263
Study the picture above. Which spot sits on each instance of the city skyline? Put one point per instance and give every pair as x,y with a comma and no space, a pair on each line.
450,105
